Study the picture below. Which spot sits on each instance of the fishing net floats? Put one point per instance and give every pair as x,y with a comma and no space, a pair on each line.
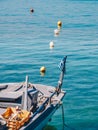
59,24
57,31
42,70
51,44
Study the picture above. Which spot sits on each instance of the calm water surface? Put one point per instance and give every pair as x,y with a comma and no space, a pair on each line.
24,48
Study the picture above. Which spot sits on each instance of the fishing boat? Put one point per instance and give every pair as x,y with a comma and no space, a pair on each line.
28,106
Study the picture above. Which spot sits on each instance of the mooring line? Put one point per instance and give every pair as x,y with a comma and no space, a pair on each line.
63,120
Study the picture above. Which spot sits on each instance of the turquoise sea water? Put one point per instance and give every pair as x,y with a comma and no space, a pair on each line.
24,48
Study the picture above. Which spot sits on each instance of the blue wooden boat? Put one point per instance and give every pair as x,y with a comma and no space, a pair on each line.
26,106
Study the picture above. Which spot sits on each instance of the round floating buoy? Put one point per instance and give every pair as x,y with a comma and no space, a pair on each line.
31,10
43,69
51,44
56,32
59,24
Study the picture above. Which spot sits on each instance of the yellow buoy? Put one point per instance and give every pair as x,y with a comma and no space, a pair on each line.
59,24
43,69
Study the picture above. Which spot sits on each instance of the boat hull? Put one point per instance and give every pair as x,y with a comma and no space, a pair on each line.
43,119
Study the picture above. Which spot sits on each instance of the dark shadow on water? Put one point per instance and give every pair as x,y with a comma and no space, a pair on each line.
76,126
50,127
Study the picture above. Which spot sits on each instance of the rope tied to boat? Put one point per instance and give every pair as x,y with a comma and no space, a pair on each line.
63,118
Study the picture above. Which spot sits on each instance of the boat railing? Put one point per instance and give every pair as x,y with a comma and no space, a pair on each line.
44,104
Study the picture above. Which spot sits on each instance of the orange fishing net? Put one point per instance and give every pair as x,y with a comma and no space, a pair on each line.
15,119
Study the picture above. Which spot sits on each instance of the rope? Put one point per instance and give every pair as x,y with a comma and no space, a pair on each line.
63,120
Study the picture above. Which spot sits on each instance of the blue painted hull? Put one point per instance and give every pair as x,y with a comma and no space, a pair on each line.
42,120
